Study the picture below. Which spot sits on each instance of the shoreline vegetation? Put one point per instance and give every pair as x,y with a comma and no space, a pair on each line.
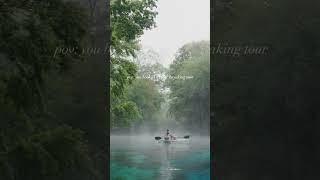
145,95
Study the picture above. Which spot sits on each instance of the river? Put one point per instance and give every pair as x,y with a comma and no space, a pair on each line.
143,158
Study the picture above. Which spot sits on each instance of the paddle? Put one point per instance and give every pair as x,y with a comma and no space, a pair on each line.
157,138
186,137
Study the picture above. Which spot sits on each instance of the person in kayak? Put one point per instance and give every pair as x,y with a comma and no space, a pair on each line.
170,135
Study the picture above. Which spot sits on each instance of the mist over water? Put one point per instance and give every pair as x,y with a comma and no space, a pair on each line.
141,157
150,106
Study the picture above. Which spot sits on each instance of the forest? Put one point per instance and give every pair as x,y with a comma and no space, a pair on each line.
166,97
159,84
52,107
54,97
145,95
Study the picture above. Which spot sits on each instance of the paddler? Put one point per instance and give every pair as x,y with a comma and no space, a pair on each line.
171,136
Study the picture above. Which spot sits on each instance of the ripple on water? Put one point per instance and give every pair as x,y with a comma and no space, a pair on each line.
198,175
147,160
121,172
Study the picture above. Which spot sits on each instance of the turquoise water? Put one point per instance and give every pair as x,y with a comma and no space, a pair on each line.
142,158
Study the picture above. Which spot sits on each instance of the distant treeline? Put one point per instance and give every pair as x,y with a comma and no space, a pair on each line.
144,104
149,103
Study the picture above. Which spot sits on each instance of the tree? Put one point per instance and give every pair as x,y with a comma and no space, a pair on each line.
33,143
189,82
129,19
141,101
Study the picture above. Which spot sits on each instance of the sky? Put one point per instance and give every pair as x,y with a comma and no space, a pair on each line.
178,22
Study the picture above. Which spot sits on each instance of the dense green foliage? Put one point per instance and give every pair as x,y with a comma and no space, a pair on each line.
39,140
138,88
141,101
30,32
266,106
161,97
189,81
128,21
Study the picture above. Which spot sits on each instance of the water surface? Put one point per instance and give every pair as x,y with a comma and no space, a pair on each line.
143,158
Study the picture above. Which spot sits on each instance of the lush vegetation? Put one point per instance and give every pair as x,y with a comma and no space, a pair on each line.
128,21
142,92
189,83
43,133
53,105
161,97
142,99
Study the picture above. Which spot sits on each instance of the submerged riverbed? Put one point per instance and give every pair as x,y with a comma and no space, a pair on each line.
143,158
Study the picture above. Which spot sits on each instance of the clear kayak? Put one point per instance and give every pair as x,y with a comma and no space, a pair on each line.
171,141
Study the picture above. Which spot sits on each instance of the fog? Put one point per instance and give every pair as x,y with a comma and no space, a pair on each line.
140,157
135,152
178,22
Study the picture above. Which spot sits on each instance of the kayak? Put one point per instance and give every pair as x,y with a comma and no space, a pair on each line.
167,140
175,141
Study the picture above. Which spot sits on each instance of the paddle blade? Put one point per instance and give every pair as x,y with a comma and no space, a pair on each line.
186,137
157,138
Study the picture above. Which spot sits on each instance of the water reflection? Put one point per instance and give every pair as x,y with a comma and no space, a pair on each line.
139,158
